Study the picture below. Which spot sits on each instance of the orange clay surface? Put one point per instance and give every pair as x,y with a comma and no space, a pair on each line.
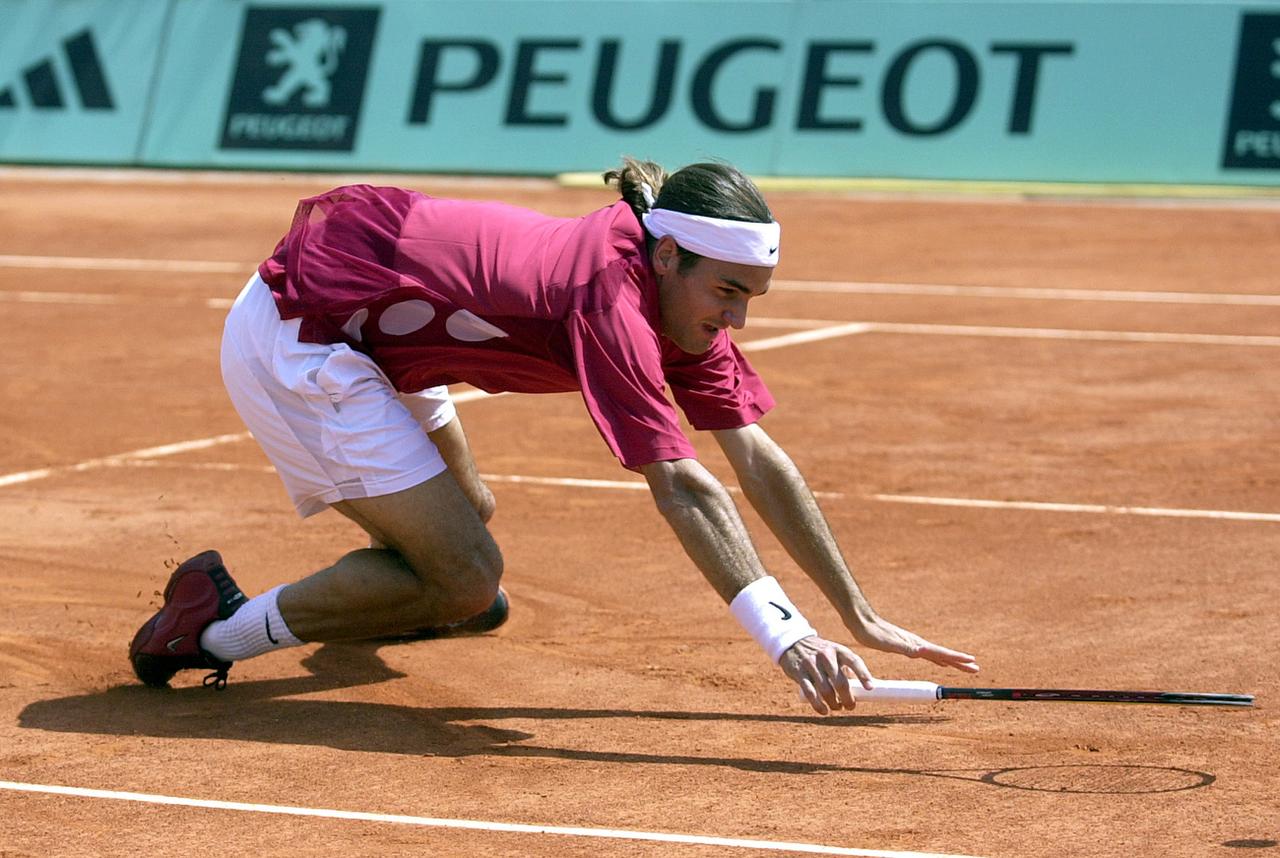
621,696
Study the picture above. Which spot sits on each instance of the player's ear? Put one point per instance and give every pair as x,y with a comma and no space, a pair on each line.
666,255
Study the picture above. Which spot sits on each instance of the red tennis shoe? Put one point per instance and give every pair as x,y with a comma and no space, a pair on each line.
199,592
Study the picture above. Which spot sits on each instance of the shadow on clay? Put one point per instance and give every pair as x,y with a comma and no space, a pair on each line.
268,711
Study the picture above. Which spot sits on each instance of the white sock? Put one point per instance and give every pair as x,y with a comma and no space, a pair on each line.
254,629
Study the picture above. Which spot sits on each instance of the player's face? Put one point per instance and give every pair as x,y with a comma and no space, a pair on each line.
698,304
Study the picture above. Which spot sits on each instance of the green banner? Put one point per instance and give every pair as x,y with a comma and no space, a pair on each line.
1176,92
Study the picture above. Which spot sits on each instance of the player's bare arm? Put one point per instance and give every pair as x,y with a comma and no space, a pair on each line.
706,521
456,452
776,489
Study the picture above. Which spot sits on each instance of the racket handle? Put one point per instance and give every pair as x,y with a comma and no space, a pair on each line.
898,690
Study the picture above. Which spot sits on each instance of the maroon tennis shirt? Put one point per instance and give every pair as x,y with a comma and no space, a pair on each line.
439,291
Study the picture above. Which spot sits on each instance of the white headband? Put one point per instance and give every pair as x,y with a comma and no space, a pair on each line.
726,240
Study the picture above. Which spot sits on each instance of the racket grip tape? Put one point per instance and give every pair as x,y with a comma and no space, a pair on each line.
898,691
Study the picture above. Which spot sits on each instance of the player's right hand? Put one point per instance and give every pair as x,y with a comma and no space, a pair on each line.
823,670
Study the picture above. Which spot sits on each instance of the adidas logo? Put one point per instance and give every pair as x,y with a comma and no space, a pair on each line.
40,82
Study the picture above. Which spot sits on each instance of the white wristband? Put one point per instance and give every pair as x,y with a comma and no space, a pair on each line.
769,616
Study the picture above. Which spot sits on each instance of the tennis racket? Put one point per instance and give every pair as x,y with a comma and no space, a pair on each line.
913,691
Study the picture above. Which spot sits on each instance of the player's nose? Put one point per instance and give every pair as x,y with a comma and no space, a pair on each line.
736,316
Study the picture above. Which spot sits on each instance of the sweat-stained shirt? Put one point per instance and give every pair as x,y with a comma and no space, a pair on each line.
439,291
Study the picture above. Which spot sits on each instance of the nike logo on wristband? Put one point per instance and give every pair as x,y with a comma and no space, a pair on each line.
786,615
269,637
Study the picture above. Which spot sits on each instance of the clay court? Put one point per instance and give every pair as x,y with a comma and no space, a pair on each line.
1044,431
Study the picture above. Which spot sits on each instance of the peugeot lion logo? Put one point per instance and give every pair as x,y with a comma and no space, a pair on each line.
300,78
310,55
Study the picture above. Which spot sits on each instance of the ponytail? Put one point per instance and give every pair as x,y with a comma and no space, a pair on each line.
638,182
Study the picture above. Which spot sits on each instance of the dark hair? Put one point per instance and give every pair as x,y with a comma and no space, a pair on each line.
708,189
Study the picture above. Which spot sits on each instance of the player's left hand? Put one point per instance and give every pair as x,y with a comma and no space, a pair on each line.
883,635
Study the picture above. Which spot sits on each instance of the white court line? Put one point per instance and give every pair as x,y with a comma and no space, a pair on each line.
471,824
102,299
836,329
119,459
100,263
978,503
1022,292
804,337
1072,334
62,298
639,485
116,459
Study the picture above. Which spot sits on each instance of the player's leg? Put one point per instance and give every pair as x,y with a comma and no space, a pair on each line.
338,436
438,575
451,441
440,565
342,437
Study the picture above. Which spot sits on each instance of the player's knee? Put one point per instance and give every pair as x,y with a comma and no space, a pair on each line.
472,584
484,573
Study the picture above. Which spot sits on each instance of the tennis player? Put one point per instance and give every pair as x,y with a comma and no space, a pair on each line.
337,353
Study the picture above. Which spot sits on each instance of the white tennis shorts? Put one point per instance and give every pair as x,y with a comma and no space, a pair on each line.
326,416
